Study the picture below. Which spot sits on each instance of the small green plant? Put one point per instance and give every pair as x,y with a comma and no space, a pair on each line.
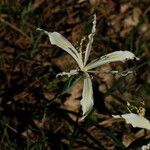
84,66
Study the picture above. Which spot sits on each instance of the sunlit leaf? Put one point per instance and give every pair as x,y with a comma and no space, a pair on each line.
87,96
111,57
135,120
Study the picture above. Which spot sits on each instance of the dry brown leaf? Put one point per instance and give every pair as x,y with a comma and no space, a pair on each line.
142,133
102,88
21,95
30,136
128,139
124,7
107,78
115,21
49,95
102,116
65,62
94,3
42,124
37,4
144,28
112,104
75,33
109,122
110,4
72,103
131,21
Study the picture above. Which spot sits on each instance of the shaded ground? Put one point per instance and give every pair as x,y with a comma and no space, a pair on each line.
38,111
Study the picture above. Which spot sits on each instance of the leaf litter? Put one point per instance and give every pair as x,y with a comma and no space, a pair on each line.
25,76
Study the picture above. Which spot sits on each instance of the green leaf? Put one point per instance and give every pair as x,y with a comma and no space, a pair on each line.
69,84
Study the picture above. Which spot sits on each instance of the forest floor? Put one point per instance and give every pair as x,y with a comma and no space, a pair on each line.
41,112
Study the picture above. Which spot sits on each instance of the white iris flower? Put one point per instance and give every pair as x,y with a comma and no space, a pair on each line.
135,120
85,67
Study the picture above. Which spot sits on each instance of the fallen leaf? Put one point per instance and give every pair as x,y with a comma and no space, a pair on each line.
131,21
72,103
49,95
107,78
128,138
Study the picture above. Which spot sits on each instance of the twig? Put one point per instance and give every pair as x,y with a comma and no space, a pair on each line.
14,130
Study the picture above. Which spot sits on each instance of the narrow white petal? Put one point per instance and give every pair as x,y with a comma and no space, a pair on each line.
89,45
69,74
60,41
111,57
135,120
87,96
